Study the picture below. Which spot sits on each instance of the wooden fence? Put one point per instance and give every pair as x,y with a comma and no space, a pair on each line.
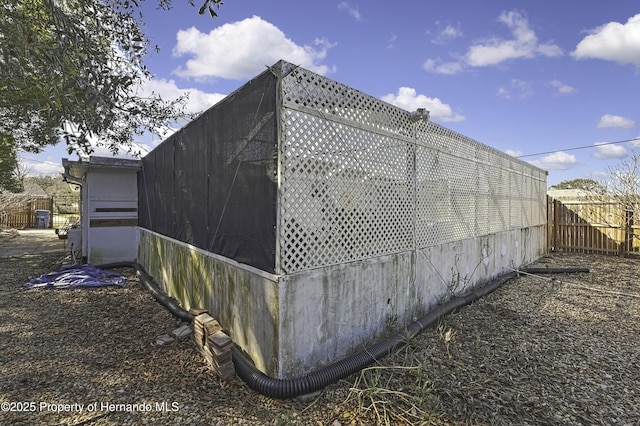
25,217
64,210
592,227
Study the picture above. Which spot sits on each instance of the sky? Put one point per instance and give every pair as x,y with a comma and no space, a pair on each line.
525,77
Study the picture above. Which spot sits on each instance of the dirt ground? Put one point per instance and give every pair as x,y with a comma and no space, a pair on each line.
547,349
30,242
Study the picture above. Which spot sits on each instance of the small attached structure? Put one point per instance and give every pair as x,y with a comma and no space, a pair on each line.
309,217
109,209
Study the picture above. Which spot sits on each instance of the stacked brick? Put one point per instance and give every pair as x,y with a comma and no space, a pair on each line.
179,333
213,343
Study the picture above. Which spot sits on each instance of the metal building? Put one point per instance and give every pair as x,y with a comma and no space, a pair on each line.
309,217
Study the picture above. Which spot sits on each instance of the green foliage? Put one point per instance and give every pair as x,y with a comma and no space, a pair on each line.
72,70
54,186
9,166
584,184
211,6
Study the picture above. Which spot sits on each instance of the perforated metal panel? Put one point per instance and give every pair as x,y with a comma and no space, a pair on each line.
360,178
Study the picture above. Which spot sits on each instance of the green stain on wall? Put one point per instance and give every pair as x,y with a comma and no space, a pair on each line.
97,256
244,302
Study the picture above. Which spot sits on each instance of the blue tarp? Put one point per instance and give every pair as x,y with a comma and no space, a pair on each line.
77,276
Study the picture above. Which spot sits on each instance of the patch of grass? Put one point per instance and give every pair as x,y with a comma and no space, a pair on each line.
389,395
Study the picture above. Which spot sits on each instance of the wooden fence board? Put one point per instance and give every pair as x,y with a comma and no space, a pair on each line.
24,217
591,227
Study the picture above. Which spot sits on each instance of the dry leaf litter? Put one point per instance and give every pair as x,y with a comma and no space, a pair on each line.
552,349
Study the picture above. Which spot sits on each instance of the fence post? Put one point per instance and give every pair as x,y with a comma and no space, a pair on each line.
51,203
31,221
556,225
628,231
550,226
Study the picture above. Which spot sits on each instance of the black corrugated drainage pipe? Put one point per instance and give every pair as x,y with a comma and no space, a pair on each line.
171,304
321,378
554,270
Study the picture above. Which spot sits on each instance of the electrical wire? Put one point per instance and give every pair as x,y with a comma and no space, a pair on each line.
579,147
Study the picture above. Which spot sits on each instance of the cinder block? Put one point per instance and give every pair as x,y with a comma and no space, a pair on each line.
198,311
164,340
219,340
181,333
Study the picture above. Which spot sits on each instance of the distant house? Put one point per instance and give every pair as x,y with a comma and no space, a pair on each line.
19,212
34,191
570,194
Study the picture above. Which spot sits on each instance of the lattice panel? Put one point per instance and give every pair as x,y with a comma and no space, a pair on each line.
304,89
434,207
346,196
361,179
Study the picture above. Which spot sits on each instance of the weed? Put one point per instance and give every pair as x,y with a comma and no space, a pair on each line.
446,334
393,395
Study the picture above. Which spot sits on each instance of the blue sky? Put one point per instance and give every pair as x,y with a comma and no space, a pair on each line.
523,77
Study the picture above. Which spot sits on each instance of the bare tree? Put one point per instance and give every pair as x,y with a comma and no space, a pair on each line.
11,202
624,180
618,205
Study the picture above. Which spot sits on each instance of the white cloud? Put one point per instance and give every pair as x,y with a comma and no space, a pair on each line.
353,11
518,89
168,90
243,49
197,101
408,99
612,42
561,88
524,44
495,50
598,175
450,33
150,140
439,67
513,152
556,161
46,167
604,152
446,34
609,120
392,42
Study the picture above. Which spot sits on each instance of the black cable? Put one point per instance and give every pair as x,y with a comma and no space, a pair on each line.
579,147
